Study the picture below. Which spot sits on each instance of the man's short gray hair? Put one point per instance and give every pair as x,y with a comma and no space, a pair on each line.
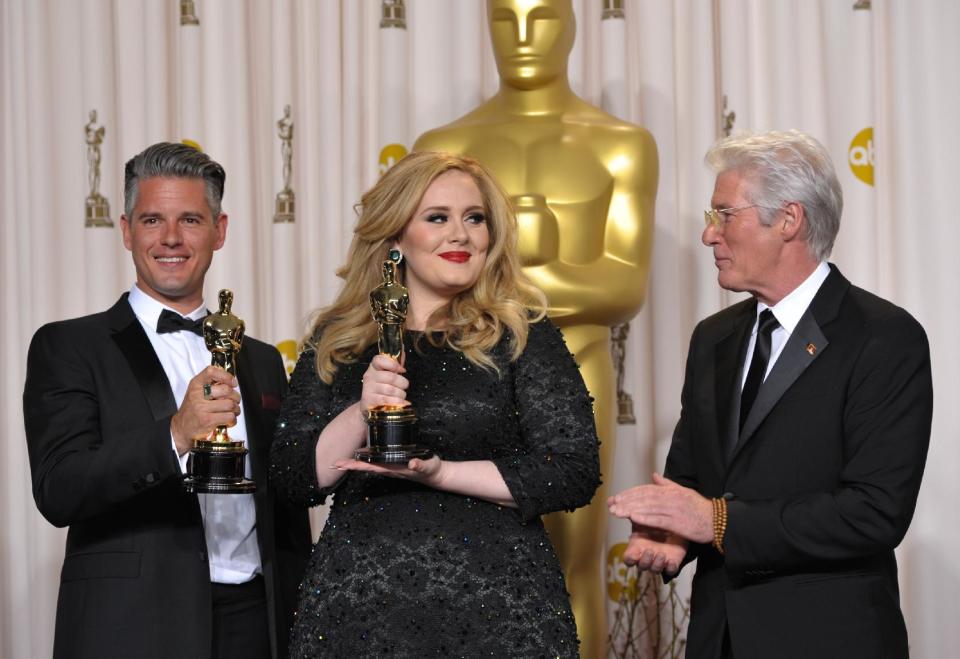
171,160
781,167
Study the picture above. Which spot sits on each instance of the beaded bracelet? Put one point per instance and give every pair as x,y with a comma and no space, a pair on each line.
719,523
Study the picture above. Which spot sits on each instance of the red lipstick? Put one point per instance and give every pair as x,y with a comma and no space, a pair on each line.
456,257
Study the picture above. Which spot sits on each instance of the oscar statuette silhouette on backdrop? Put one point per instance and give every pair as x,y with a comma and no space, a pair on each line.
584,184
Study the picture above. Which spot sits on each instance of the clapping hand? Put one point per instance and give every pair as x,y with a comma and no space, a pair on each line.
667,506
655,550
665,517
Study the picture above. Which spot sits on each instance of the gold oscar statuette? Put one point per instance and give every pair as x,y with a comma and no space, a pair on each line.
392,430
216,463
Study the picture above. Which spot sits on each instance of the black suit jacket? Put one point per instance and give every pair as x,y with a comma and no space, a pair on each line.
135,579
821,484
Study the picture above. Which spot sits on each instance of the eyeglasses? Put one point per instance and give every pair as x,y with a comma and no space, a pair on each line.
718,217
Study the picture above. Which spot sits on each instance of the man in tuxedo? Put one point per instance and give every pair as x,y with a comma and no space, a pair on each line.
112,404
794,469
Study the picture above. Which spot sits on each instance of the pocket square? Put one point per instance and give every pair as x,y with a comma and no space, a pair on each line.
270,401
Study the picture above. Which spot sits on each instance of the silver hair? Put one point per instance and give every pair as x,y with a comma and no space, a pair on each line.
171,160
781,167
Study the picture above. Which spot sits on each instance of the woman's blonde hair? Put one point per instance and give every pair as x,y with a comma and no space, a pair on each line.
474,321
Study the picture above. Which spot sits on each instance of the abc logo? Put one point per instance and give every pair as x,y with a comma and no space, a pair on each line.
860,155
389,155
621,581
288,350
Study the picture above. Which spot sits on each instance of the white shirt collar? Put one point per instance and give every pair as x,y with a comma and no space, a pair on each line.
148,309
789,310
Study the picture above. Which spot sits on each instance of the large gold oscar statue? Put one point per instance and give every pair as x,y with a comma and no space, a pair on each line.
584,184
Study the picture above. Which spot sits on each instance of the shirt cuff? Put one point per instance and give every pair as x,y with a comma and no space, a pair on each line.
182,459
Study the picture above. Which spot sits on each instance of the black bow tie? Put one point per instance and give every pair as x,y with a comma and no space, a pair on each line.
174,322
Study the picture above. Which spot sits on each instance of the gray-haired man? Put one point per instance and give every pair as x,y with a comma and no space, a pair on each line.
796,463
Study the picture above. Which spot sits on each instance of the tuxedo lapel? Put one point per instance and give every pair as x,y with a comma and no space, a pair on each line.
134,345
728,358
792,362
805,345
253,410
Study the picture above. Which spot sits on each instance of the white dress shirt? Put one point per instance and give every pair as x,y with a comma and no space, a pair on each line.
788,312
229,520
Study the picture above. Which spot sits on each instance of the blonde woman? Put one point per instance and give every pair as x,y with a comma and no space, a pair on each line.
442,556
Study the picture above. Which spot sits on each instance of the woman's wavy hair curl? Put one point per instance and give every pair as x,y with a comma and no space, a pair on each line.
502,300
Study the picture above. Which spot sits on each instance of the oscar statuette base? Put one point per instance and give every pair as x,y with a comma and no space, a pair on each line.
285,207
97,212
392,434
625,415
217,468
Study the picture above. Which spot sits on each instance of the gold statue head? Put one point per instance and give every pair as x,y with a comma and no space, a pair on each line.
531,40
388,307
389,271
223,334
226,301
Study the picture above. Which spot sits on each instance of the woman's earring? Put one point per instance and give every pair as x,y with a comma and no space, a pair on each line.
395,255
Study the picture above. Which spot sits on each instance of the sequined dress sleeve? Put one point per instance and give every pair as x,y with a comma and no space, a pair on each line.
558,467
305,412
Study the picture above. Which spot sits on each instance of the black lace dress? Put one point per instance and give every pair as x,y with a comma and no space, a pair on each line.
403,570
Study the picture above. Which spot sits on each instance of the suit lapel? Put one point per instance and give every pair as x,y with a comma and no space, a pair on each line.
728,360
138,351
792,362
253,410
805,345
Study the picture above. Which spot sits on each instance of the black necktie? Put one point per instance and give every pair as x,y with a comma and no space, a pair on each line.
758,365
174,322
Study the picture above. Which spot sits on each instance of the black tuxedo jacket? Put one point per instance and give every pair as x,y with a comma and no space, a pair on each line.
135,579
821,484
